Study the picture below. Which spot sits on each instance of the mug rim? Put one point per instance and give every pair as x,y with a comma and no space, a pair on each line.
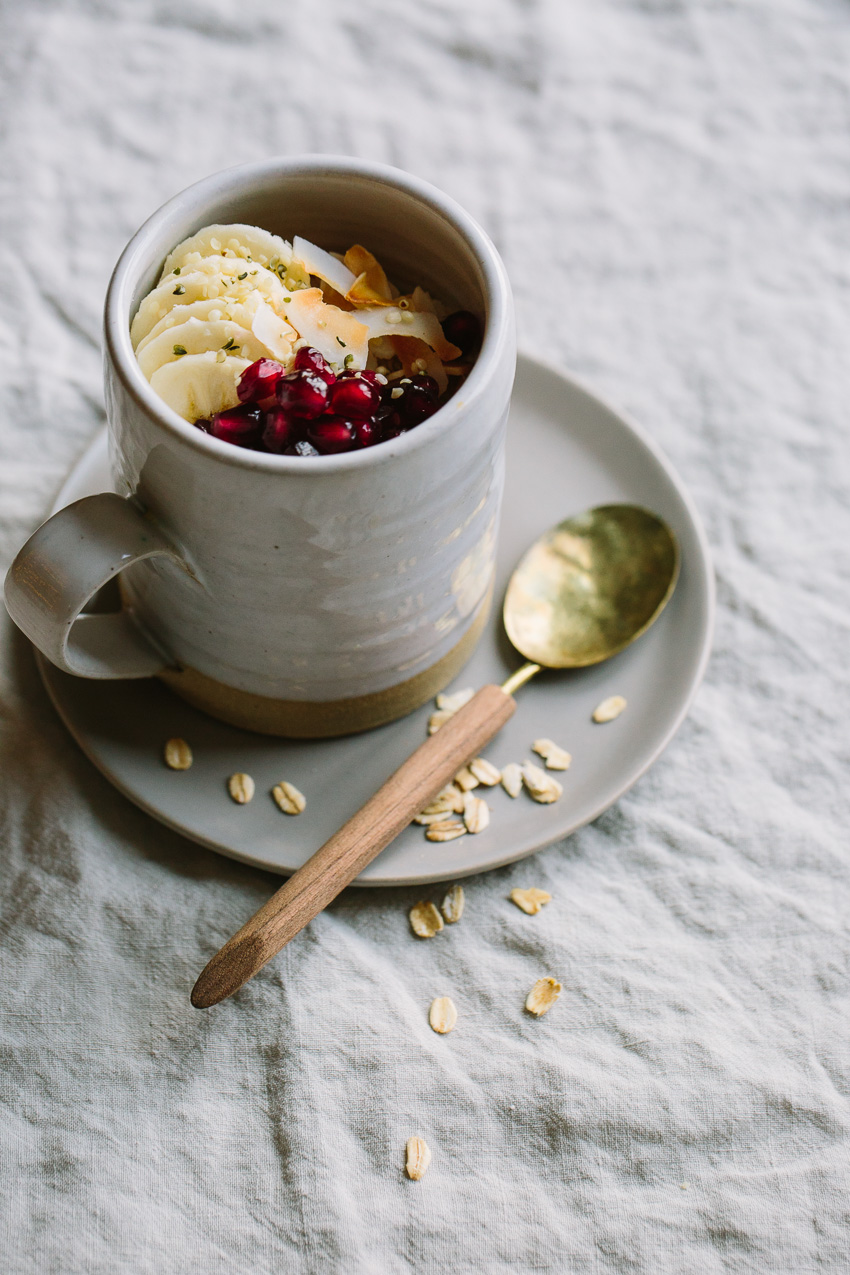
495,281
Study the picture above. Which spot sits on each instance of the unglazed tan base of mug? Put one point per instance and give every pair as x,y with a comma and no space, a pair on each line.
304,719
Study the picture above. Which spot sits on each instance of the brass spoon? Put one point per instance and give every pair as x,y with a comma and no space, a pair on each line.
585,590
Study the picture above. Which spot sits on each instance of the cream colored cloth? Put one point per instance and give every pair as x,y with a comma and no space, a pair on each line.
669,185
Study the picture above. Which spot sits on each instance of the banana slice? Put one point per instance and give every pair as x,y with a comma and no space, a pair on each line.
250,243
197,385
214,277
254,314
195,337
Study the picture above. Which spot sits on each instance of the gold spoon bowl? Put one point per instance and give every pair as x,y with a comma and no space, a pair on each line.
589,587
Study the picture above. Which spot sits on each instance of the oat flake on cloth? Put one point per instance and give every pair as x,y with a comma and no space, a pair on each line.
669,183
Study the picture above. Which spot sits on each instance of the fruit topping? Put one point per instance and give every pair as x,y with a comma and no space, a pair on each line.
293,349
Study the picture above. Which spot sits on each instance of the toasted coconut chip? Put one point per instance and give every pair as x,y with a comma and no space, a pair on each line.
276,334
242,241
321,264
333,332
332,297
198,385
423,300
390,321
371,286
410,350
382,348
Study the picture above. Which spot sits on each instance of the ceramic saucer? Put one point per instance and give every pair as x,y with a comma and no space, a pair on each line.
567,451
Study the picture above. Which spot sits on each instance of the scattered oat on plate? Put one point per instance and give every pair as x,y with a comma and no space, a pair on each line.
425,920
512,778
438,719
531,900
452,905
289,798
241,788
541,787
476,813
465,779
445,830
449,799
542,996
456,700
609,708
485,772
442,1015
440,816
418,1158
177,754
555,757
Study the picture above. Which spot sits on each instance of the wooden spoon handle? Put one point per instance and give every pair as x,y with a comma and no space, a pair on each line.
357,843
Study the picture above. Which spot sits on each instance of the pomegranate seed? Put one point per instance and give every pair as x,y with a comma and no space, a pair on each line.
309,360
332,434
427,385
354,398
203,425
389,422
282,430
240,425
416,406
463,330
303,393
259,381
301,449
368,433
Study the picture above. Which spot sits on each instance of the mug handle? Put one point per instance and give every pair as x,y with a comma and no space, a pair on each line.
59,570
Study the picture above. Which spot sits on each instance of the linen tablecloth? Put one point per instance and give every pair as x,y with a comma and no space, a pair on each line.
668,182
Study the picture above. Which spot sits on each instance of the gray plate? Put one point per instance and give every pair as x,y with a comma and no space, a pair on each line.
566,452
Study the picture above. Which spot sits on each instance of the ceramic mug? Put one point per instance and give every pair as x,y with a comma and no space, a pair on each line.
295,596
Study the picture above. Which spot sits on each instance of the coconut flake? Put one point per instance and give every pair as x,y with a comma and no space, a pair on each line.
423,325
320,263
333,332
410,350
371,285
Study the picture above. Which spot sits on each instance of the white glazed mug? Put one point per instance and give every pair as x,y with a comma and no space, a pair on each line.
297,596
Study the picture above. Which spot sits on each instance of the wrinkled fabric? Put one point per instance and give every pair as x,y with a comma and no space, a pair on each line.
668,182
